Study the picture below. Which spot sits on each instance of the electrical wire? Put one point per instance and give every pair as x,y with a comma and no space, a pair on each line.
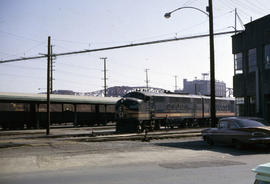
22,76
189,2
19,36
8,54
33,47
23,67
247,6
232,6
252,4
72,82
26,51
72,41
76,74
76,66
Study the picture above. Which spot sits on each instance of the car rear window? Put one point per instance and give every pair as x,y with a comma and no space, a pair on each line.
249,123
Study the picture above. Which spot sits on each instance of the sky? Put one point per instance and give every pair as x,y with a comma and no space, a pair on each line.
91,24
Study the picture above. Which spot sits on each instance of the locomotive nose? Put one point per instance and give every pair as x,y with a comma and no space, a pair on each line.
125,106
120,108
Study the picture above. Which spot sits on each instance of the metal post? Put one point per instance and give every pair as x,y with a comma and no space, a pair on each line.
212,65
235,23
146,76
48,86
175,80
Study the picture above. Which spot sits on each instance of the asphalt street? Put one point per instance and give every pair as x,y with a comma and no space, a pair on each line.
187,160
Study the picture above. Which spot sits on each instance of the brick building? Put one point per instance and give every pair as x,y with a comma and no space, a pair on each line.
251,81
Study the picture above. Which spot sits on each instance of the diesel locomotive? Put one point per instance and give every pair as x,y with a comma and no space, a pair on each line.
138,111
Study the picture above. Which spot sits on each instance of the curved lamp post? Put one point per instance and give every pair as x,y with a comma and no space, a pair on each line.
168,15
212,55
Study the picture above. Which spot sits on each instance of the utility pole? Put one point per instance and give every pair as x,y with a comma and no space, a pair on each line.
147,81
235,23
48,86
212,65
235,28
175,80
51,77
105,86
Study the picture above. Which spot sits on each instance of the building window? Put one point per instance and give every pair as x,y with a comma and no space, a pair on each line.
267,56
252,60
238,63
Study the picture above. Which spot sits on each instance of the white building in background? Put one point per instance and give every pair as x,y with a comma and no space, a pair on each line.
202,87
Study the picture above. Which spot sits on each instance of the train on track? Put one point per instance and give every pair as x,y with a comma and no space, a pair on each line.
20,111
134,112
138,111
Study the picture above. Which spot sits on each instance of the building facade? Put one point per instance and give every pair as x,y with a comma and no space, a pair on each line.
202,87
251,81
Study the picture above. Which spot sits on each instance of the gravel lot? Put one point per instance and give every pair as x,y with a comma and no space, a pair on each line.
24,155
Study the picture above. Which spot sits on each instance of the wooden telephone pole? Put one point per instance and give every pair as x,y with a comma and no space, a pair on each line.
48,86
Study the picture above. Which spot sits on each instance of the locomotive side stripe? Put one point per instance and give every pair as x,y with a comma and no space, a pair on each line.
141,115
164,115
220,114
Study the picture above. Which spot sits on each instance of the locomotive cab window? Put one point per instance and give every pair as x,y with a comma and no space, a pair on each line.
136,95
132,105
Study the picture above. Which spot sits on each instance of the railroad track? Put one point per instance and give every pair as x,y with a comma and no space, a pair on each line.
100,134
109,136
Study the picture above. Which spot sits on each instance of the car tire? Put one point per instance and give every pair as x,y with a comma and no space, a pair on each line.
209,141
238,144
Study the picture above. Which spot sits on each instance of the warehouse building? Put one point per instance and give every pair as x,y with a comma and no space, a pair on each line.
251,81
202,87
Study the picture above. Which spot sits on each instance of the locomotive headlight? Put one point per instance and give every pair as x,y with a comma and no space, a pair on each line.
258,134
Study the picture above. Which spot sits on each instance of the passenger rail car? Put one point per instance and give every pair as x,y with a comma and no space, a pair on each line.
18,111
139,110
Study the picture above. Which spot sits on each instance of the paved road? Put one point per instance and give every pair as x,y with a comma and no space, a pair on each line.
161,161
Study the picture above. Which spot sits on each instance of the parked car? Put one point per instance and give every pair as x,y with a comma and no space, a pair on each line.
238,131
262,174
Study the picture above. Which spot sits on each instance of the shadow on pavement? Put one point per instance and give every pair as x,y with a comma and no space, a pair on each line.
201,145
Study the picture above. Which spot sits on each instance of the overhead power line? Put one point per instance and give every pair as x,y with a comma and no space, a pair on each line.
118,47
20,36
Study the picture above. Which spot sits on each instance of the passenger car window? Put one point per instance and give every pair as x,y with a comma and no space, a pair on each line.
261,182
233,125
223,124
249,123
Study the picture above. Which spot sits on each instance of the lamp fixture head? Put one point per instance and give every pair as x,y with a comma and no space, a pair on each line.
167,15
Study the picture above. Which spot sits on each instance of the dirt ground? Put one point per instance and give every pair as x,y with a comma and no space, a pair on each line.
31,153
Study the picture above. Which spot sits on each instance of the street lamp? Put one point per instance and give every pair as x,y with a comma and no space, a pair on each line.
212,55
168,15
